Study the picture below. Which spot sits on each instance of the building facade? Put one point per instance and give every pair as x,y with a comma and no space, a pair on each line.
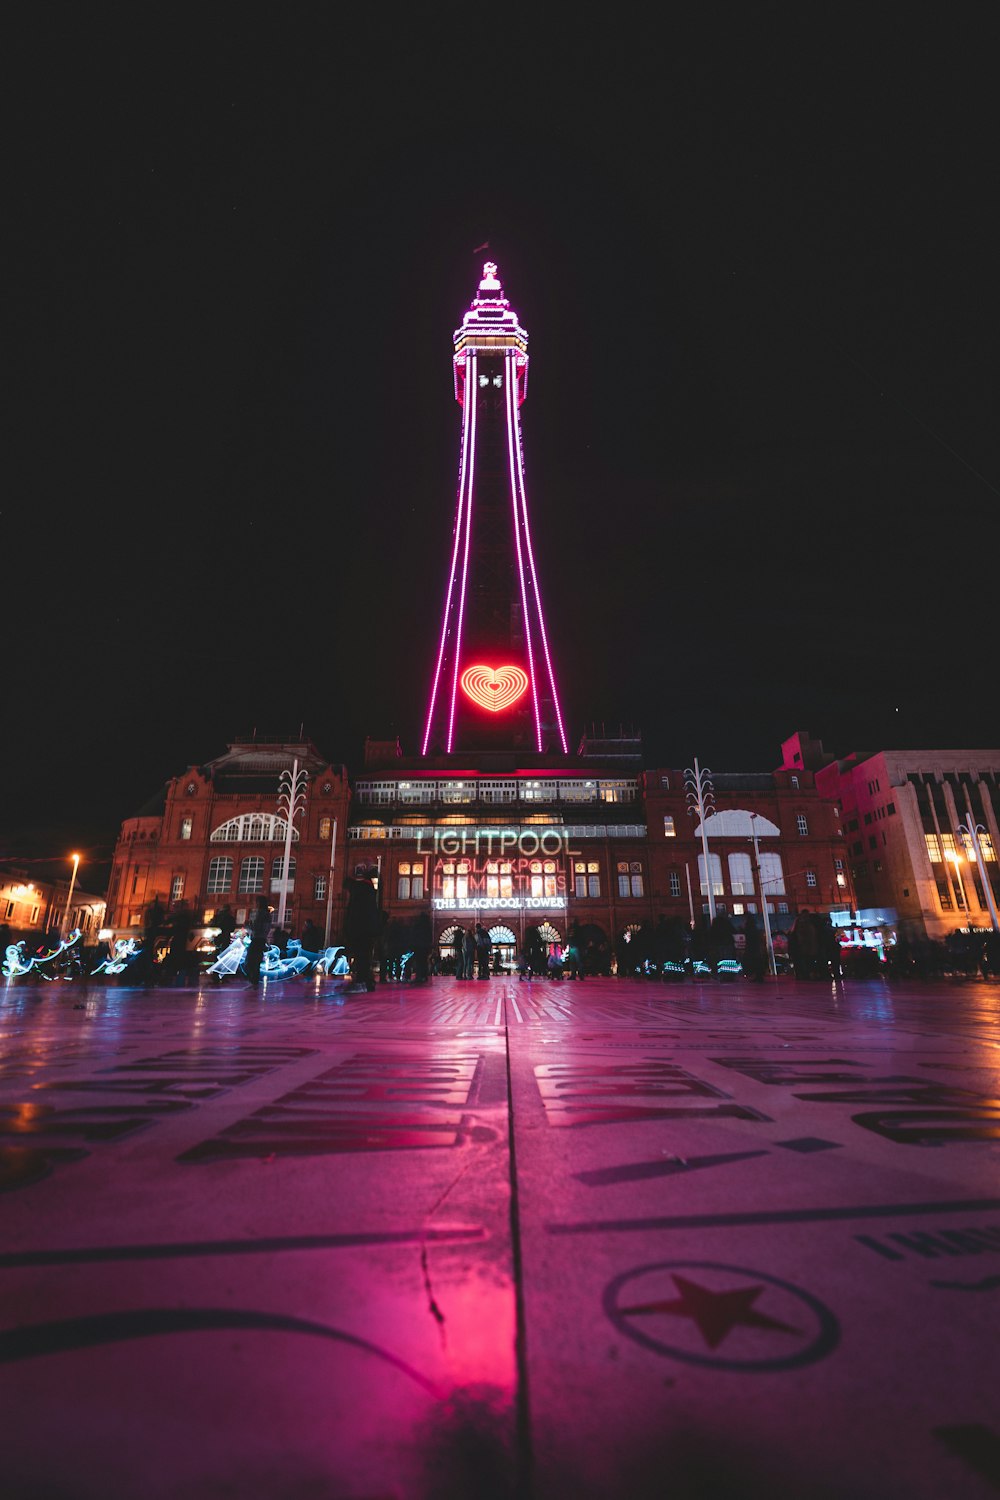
922,830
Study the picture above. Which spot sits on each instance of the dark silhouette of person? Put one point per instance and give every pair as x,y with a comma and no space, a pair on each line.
311,937
469,953
423,937
279,940
534,953
181,926
572,957
482,939
458,943
362,927
225,922
753,949
721,940
152,929
260,926
803,945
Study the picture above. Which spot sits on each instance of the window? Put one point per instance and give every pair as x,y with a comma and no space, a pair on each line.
782,906
251,875
795,782
740,875
586,878
890,808
811,879
325,828
319,888
715,862
872,841
675,883
186,826
630,878
877,866
410,880
176,887
801,824
669,830
278,871
771,874
220,875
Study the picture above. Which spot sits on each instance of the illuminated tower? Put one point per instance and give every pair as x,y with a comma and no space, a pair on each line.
493,677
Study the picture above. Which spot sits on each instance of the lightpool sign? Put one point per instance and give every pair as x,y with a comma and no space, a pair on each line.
499,869
496,843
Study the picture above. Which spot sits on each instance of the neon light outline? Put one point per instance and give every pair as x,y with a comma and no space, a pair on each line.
463,471
520,560
538,600
471,383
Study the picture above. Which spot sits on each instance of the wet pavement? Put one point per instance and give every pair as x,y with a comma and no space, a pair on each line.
485,1239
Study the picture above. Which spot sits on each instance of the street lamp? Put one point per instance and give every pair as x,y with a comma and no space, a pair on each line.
291,803
69,896
701,803
955,859
970,831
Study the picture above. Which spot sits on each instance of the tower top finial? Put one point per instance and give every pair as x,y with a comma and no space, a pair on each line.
490,282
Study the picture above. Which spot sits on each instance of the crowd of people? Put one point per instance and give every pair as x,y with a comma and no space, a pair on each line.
165,951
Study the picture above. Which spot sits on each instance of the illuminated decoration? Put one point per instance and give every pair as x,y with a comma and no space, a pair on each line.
16,962
230,960
494,688
333,961
728,968
499,903
491,376
121,955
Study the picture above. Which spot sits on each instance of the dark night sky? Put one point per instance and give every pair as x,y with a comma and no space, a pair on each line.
758,267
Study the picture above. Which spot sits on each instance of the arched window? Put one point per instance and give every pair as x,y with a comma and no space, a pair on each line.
251,875
738,823
253,828
771,874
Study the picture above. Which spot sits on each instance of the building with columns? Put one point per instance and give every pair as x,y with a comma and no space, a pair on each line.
922,830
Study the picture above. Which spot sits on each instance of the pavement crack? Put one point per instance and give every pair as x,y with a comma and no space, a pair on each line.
432,1306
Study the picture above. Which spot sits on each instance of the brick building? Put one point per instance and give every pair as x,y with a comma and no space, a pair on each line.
506,839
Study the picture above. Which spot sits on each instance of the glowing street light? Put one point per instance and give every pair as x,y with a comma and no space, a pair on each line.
955,859
69,896
701,804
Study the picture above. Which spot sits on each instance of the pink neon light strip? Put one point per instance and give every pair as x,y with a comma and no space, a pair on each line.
469,482
510,384
454,560
534,579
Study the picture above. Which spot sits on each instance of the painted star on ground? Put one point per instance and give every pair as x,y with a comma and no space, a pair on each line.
716,1313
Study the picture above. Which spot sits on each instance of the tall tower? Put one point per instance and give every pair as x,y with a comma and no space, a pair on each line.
493,681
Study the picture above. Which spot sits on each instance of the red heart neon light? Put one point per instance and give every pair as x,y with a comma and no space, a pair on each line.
495,688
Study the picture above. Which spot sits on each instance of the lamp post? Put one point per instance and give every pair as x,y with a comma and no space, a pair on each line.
772,967
329,891
955,859
971,831
701,803
69,895
291,801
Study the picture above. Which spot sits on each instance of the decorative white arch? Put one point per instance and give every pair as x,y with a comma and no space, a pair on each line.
501,934
253,828
738,823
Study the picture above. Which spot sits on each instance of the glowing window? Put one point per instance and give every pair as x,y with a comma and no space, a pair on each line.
251,875
220,875
715,866
669,830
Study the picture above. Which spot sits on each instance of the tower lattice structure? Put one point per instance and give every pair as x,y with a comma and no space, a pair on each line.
493,680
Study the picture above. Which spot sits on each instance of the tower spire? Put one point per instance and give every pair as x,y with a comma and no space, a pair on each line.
493,676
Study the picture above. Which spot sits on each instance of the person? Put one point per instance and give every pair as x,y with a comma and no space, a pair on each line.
152,927
803,945
534,953
554,965
469,953
572,957
260,926
482,952
361,929
181,926
279,940
753,949
422,937
311,938
721,941
458,943
224,922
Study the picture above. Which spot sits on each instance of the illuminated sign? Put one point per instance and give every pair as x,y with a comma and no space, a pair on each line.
501,903
514,884
497,842
494,688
